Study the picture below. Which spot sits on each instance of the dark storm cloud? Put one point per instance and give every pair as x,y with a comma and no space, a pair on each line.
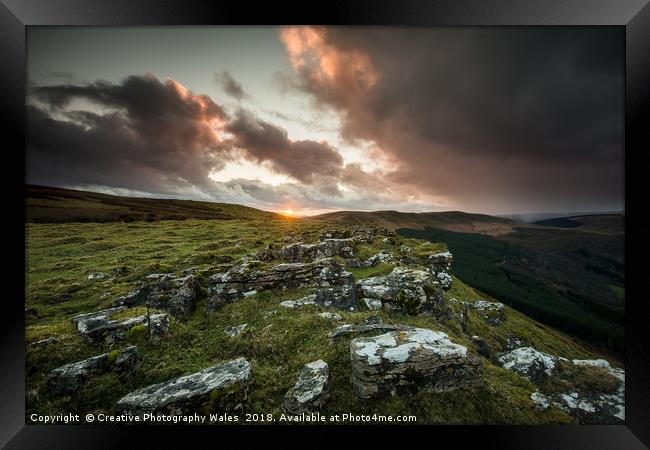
150,135
459,107
304,160
230,86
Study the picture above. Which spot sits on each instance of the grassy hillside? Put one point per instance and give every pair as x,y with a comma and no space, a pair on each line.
277,342
60,257
571,280
448,220
55,205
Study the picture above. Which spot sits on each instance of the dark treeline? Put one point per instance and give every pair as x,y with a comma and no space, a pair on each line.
507,272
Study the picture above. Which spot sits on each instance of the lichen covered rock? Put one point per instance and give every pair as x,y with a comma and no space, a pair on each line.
177,295
409,361
405,289
221,387
311,391
530,363
97,327
66,380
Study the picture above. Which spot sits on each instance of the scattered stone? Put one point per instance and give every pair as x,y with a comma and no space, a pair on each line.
45,342
97,276
373,261
372,303
97,327
514,342
339,297
164,291
586,407
370,320
249,293
330,316
367,328
492,312
335,234
311,391
309,300
409,361
530,363
237,331
68,379
268,314
219,388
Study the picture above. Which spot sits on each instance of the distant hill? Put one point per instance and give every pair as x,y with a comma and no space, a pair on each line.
447,220
597,223
55,205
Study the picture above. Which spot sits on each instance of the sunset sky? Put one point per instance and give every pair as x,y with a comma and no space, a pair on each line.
317,119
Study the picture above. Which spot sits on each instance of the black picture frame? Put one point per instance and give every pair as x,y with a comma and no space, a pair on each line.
16,15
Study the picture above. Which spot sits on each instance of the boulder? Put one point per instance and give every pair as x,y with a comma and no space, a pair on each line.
66,380
229,286
405,289
339,297
530,363
177,295
217,388
311,391
335,234
410,361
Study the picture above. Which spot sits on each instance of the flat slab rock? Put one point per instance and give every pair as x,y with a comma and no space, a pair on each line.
408,361
311,391
68,379
220,387
98,327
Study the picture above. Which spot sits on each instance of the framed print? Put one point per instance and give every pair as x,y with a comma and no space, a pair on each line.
349,218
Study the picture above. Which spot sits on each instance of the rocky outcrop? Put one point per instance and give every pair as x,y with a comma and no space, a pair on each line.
218,388
226,287
311,391
328,248
402,362
67,379
98,327
492,313
178,295
405,289
530,363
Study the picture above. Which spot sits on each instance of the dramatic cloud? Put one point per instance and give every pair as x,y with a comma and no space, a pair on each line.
493,120
303,160
525,115
230,86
